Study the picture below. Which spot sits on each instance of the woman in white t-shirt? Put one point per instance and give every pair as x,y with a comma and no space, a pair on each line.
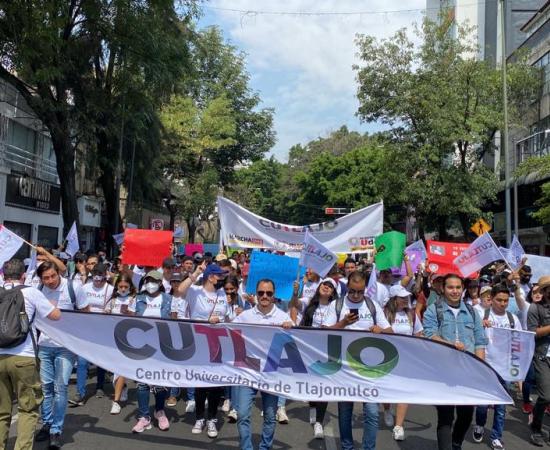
312,315
403,320
123,293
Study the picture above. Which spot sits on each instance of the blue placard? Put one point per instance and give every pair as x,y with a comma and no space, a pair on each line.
212,248
281,269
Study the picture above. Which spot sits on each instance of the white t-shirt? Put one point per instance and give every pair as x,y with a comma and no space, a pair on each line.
115,304
275,316
309,288
166,284
502,321
36,305
152,306
203,305
480,310
96,298
382,294
180,307
403,325
365,321
60,298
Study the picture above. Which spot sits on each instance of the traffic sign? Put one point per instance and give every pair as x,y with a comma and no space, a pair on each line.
480,227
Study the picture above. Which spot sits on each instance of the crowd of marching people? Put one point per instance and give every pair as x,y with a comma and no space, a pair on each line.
441,307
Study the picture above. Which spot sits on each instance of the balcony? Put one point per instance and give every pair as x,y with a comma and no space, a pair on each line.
27,162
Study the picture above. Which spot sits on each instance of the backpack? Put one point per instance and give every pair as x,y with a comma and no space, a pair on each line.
340,303
14,322
487,313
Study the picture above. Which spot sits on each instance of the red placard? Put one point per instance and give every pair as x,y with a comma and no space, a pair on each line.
146,247
441,256
194,248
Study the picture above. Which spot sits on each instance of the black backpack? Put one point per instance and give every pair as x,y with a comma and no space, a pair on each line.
14,322
487,313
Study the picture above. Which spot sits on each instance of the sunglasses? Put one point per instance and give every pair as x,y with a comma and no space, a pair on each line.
356,292
266,293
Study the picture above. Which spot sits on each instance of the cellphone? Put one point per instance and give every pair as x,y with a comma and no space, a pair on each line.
354,311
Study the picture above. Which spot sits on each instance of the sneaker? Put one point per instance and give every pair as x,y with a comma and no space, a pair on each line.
77,400
99,393
388,418
124,394
478,433
190,407
312,416
211,429
197,428
232,416
226,407
318,432
281,416
55,441
527,408
537,439
171,401
142,424
497,445
162,420
43,434
115,408
398,433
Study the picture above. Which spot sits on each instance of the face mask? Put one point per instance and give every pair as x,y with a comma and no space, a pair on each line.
98,278
123,292
219,284
151,287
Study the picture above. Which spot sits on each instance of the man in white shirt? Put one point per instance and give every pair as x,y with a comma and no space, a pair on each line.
18,368
266,313
56,362
357,312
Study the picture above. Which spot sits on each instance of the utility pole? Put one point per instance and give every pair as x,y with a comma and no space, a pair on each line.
504,136
119,171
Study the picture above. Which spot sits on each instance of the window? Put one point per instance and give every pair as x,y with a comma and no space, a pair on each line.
47,236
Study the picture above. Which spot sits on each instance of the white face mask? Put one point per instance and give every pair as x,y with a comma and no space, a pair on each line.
123,292
151,287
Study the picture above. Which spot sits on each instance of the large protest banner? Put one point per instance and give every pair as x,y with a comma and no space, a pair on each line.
303,364
281,269
352,233
511,352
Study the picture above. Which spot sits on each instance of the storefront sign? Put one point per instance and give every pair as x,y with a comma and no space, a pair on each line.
28,192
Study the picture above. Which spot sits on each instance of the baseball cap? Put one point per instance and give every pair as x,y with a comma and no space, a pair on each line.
197,257
485,289
399,291
213,269
221,257
176,276
168,262
154,274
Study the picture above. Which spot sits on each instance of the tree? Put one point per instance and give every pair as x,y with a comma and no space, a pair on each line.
539,166
444,108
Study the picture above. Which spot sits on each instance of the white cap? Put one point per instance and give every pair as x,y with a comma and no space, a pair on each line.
328,280
399,291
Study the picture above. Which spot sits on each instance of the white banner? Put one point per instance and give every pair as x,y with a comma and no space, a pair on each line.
316,256
303,364
9,244
352,233
478,254
510,352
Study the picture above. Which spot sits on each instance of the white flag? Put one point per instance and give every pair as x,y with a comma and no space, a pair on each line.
516,253
119,238
510,352
31,269
372,287
9,244
316,256
73,246
478,254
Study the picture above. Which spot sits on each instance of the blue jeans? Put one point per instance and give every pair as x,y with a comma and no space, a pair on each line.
82,376
190,394
246,397
174,391
370,425
143,399
235,397
56,365
281,401
498,419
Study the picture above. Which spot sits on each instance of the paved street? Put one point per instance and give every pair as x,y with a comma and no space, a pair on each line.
92,427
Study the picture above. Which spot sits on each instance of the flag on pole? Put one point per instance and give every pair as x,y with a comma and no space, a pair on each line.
372,287
316,256
73,246
516,253
10,243
478,254
119,238
31,269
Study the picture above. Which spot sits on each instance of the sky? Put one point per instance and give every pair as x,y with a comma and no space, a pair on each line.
301,64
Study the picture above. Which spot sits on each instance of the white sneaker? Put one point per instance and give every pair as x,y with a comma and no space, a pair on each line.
232,416
398,433
388,418
312,416
190,407
211,429
198,427
281,416
226,406
318,432
124,394
115,408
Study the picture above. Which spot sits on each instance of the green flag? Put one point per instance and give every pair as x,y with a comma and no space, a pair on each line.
389,250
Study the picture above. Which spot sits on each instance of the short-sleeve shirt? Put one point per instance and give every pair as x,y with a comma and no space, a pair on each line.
275,316
96,298
180,307
365,321
402,324
203,304
60,298
309,289
152,306
36,305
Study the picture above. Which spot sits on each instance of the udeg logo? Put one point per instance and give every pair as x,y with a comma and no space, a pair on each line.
283,351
